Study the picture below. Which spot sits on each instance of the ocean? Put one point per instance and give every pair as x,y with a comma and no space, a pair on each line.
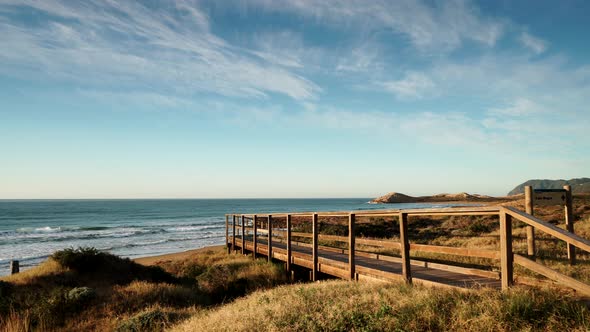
31,230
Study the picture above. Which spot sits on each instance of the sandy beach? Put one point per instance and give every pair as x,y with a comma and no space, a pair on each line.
154,260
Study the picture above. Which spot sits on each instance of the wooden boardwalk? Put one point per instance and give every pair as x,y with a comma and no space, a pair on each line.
336,264
252,234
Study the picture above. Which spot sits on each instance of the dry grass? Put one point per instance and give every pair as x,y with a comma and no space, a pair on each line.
346,306
48,268
130,297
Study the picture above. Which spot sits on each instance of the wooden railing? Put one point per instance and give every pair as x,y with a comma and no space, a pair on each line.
505,253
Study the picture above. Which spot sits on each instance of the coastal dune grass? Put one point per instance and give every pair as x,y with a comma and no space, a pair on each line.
376,306
87,290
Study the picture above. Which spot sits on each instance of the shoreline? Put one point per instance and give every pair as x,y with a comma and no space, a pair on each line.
175,256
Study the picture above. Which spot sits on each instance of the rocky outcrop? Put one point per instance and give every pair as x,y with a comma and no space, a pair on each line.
394,197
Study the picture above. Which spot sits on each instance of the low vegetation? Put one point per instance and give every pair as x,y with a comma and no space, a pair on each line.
346,306
87,290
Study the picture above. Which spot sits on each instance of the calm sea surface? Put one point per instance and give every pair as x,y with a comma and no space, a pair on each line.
31,230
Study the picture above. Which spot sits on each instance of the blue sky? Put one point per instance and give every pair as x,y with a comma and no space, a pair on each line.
307,98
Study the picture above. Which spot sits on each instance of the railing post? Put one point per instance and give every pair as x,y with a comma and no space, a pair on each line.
227,233
314,226
351,246
530,230
269,224
569,222
289,253
405,247
506,255
14,267
243,237
233,240
254,240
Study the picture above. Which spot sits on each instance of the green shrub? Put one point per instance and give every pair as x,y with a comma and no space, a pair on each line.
147,321
50,309
80,296
92,262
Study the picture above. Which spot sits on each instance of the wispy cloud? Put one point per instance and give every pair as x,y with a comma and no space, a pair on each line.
444,26
413,86
363,58
537,45
520,107
138,100
110,44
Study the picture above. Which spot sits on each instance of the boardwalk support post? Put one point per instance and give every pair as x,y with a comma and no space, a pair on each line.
243,237
530,230
14,267
569,222
233,239
506,255
314,226
289,253
227,234
269,238
351,246
405,247
254,241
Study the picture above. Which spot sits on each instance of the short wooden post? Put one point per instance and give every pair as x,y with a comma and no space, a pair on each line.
569,222
405,247
14,267
289,252
530,230
233,240
254,240
243,235
314,226
227,233
351,246
506,255
269,224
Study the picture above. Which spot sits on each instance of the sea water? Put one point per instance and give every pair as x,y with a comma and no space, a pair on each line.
31,230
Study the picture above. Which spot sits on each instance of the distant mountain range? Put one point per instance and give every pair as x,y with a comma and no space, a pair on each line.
580,185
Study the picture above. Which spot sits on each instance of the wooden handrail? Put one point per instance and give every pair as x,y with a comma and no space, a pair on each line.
471,210
363,241
482,253
550,229
552,274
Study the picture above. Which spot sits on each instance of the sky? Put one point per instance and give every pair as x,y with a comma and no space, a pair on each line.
300,98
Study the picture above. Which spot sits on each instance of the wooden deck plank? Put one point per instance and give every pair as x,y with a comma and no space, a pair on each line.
336,263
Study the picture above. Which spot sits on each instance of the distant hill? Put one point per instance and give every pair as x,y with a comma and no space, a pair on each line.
581,185
394,197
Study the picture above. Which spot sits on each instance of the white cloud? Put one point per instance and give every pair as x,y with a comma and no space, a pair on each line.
138,99
361,59
440,27
413,86
533,43
284,48
110,44
520,107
